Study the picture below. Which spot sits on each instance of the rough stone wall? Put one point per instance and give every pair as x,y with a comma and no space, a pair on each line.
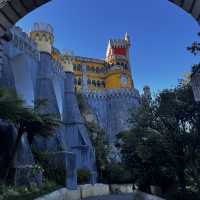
75,130
113,109
35,76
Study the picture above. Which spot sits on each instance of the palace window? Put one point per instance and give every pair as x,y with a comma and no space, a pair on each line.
93,69
75,67
89,82
94,83
79,81
98,70
75,81
79,67
98,83
88,68
103,84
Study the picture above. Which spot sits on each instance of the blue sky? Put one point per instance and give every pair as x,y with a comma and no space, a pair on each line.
160,33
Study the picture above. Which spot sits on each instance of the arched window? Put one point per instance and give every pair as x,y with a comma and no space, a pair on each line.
94,82
79,81
89,82
75,67
103,84
79,67
75,81
98,83
93,69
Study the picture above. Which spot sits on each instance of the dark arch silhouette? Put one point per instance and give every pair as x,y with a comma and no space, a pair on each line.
13,10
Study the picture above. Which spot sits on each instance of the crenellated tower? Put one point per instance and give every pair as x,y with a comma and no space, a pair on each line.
67,62
43,35
119,69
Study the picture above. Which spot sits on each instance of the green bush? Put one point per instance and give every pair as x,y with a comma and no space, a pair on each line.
25,193
83,176
118,174
51,173
55,174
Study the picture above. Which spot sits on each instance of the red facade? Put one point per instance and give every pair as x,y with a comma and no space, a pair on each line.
120,51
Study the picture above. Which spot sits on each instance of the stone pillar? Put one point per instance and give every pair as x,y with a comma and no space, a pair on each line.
71,181
44,85
84,79
75,130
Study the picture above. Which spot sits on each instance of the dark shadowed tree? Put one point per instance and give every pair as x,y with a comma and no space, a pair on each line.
26,120
163,145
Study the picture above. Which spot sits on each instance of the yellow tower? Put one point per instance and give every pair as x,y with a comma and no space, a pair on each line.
67,62
119,69
42,34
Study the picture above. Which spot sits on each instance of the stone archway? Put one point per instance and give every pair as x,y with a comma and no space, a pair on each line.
13,10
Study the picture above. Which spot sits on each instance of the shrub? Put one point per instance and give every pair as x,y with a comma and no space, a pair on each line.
177,195
83,176
118,174
52,172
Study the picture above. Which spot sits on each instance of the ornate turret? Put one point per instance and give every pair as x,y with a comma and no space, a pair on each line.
119,70
42,34
67,62
127,39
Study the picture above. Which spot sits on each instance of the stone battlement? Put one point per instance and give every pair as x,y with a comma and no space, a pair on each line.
23,42
85,59
116,93
57,67
118,43
42,27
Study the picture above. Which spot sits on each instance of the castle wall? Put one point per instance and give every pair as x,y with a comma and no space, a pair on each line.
113,109
35,76
77,134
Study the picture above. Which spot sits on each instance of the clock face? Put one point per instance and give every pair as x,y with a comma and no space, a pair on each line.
124,79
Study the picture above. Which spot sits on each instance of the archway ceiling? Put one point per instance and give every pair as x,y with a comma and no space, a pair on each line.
13,10
190,6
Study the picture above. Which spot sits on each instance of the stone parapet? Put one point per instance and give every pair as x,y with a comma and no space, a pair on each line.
113,94
89,190
121,188
62,194
23,42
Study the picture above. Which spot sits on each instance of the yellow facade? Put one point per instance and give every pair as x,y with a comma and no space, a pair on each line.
94,74
113,80
99,78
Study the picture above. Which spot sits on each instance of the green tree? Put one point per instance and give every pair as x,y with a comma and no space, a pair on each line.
25,119
164,142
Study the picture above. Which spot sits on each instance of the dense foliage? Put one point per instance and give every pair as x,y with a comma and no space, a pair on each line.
83,176
163,146
25,119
